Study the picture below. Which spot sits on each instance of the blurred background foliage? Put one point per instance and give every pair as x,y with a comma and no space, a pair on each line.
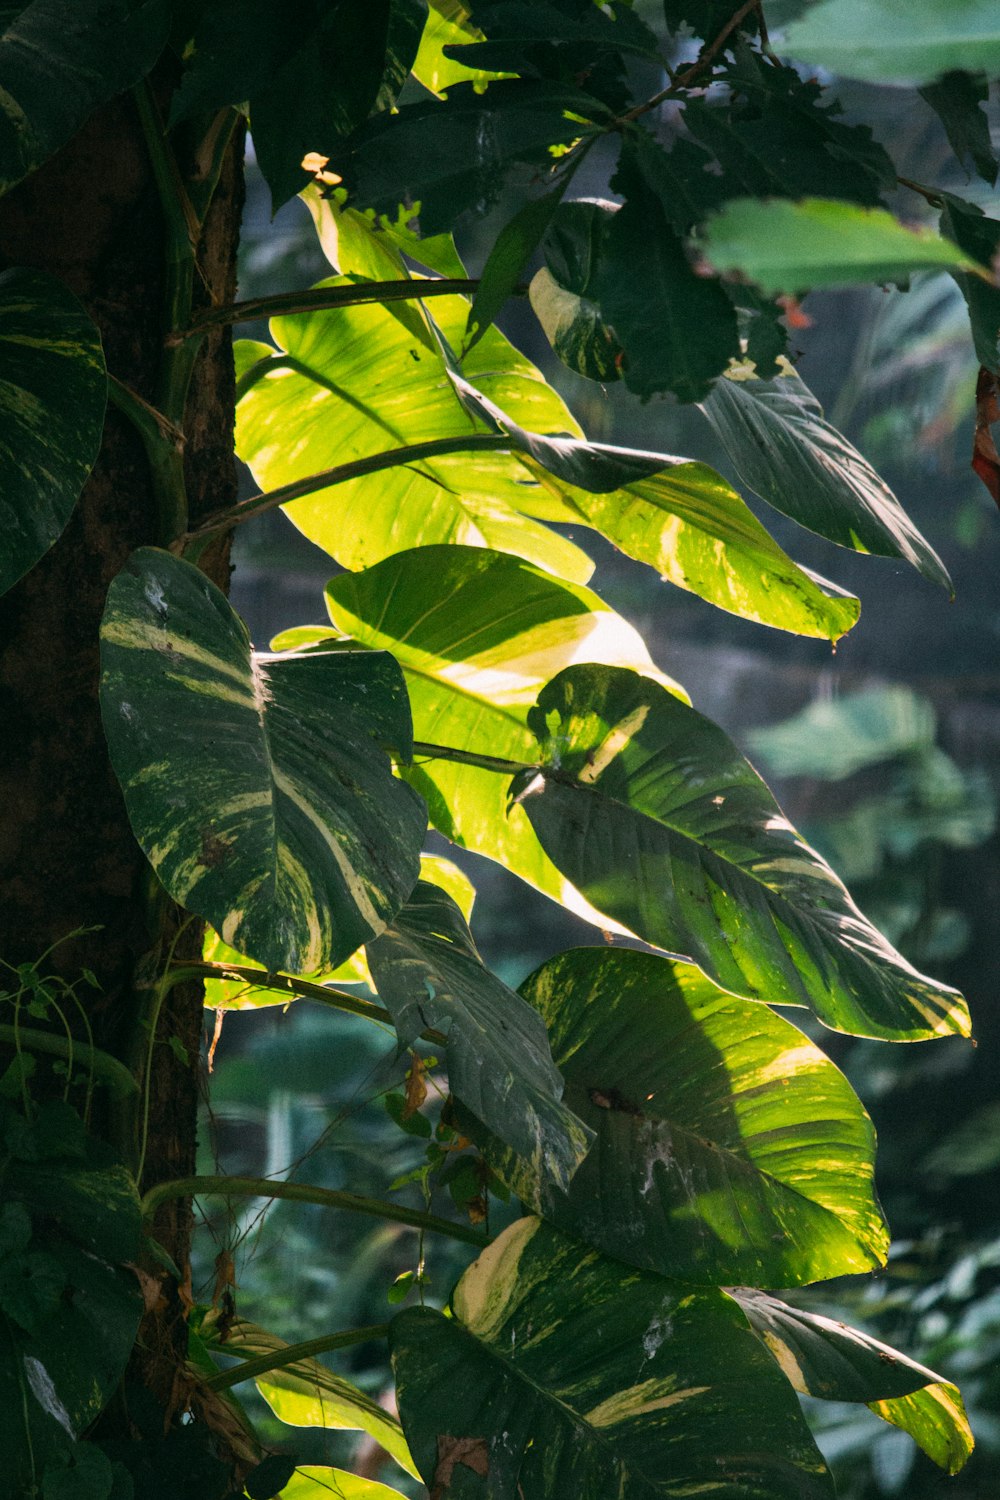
885,755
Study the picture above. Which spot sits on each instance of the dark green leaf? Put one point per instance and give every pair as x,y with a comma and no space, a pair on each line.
51,413
650,810
897,41
86,1475
677,329
514,246
957,99
729,1148
783,448
269,1477
564,1373
706,18
60,59
428,973
260,787
979,237
452,156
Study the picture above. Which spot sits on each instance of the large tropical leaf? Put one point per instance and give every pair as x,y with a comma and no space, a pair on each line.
784,449
897,41
477,633
60,59
306,1393
318,1482
428,972
729,1148
259,787
564,1373
649,809
828,1359
822,242
51,413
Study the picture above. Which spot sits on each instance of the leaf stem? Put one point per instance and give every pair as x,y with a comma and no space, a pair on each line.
471,758
300,1192
279,1359
108,1069
323,298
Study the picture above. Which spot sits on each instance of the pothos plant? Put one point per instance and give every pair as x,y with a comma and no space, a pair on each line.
681,1150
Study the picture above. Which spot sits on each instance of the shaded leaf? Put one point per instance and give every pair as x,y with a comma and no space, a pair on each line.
822,242
957,99
985,458
576,329
60,59
474,661
729,1148
832,738
898,41
979,236
428,972
783,448
514,246
51,413
259,787
578,1376
649,809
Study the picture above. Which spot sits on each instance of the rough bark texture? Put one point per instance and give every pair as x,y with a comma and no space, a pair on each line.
68,859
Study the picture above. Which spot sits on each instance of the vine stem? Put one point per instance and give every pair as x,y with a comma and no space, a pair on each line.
262,1364
108,1069
324,298
300,1192
393,458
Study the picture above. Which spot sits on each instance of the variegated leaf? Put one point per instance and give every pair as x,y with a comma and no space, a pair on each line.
260,787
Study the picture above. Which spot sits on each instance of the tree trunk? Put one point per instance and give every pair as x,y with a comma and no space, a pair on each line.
68,859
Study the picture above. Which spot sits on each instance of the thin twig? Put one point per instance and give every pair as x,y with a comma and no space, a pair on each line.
704,60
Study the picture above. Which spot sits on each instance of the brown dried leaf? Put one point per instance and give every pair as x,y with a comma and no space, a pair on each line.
985,458
416,1086
472,1453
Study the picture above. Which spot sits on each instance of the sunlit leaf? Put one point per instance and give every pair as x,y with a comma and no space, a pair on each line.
651,812
259,787
428,973
51,413
729,1148
314,1482
935,1418
564,1373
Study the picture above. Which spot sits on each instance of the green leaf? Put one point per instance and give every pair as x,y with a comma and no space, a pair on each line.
836,1363
729,1148
325,400
897,41
60,59
822,242
980,237
649,809
51,413
448,25
454,155
677,329
957,99
312,71
474,662
315,1482
575,328
564,1373
259,787
308,1394
514,246
86,1475
784,449
832,738
428,972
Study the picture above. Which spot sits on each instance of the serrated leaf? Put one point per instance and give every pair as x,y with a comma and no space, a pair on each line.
51,412
785,451
897,41
957,99
729,1148
59,60
428,972
447,26
260,787
565,1373
650,810
474,661
822,242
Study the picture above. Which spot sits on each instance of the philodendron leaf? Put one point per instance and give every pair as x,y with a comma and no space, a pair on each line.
729,1148
428,972
307,1393
260,787
822,242
564,1373
784,449
474,660
318,1482
830,1360
650,810
51,413
60,59
897,41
